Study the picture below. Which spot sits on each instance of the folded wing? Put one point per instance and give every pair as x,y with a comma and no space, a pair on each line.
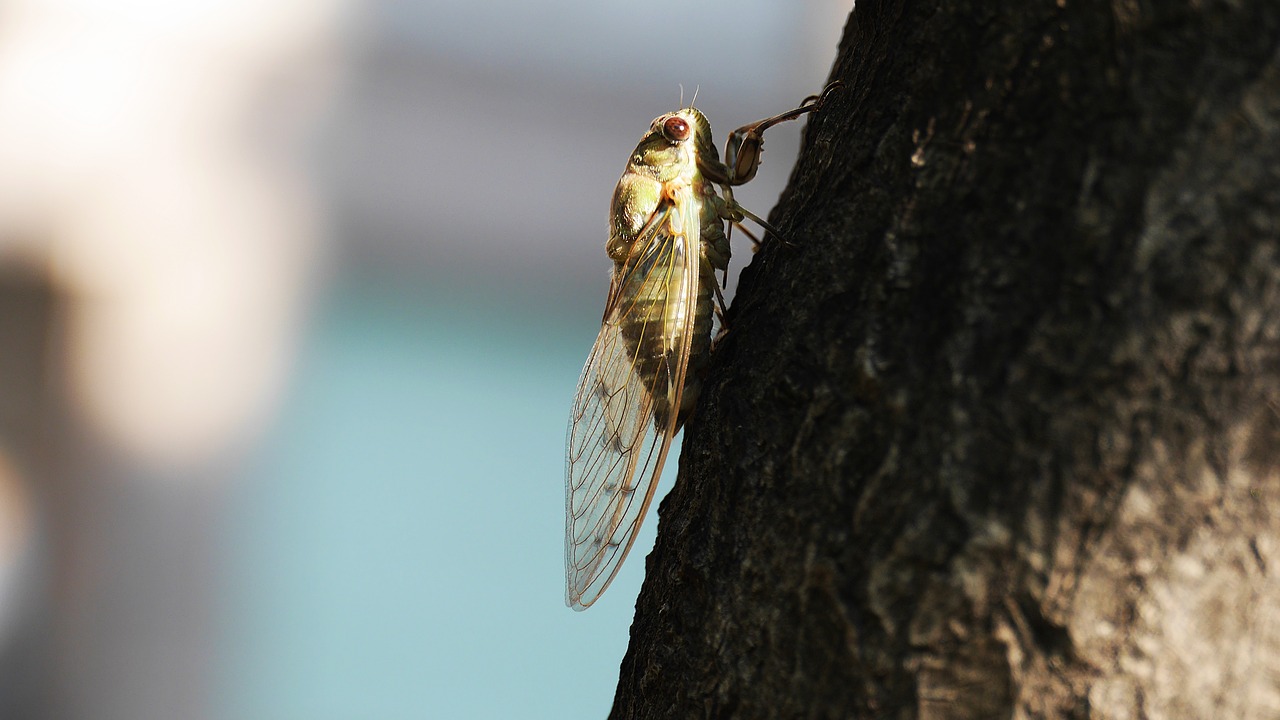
627,405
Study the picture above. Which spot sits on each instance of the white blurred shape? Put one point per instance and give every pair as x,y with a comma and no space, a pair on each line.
136,158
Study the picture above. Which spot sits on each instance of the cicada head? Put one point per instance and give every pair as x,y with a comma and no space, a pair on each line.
704,146
671,145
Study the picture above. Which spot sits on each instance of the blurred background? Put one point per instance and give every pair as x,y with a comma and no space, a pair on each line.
293,300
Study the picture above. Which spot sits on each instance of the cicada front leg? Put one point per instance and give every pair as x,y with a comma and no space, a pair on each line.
745,147
744,151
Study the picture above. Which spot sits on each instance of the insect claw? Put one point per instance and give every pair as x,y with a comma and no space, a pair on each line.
814,103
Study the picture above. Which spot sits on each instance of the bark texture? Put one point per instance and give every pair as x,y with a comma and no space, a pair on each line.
999,435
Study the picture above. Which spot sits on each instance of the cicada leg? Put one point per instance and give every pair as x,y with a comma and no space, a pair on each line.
735,214
743,154
745,147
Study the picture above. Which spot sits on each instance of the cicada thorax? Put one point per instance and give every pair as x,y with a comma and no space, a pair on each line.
670,313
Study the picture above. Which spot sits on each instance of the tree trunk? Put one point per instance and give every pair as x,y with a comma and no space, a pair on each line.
997,435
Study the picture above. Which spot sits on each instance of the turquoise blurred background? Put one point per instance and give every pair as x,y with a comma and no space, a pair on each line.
395,551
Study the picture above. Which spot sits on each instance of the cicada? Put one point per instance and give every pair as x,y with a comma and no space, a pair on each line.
667,239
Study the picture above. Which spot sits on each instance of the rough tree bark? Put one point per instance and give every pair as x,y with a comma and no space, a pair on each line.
998,437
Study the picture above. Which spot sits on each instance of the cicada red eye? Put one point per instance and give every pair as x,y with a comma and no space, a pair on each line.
676,129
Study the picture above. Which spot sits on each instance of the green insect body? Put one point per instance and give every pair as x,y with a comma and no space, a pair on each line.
656,317
667,239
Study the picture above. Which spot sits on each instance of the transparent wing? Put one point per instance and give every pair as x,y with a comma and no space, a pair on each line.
628,399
